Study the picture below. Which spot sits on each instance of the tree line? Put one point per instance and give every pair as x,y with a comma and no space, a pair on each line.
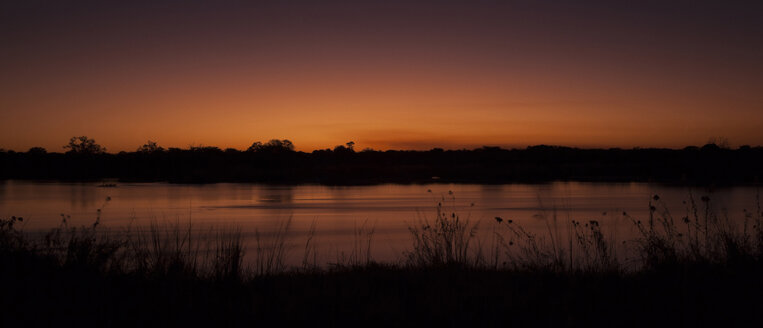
276,161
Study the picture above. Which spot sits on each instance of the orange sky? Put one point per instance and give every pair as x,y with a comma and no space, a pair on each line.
385,75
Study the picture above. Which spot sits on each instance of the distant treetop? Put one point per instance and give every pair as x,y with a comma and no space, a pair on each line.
149,147
272,146
37,151
84,145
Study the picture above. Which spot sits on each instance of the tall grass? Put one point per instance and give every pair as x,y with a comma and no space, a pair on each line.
360,253
228,261
310,254
165,249
700,235
160,250
82,247
525,250
270,253
12,240
445,240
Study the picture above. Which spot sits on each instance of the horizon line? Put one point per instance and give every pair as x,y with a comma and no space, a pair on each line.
369,149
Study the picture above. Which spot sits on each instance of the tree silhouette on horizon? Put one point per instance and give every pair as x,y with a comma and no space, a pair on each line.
84,145
272,146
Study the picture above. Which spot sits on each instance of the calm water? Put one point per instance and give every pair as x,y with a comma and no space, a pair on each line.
339,211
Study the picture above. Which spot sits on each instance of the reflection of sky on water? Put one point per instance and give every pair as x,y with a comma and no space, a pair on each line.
339,211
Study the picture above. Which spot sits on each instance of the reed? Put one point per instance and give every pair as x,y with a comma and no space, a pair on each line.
445,240
271,250
360,253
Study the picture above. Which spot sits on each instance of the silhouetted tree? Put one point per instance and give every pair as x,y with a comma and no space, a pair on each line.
37,151
711,147
345,149
150,147
84,145
721,142
256,146
272,146
206,149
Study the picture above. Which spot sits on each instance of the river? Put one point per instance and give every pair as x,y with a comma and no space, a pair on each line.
343,216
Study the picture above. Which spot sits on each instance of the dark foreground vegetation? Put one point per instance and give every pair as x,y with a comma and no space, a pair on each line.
277,162
695,270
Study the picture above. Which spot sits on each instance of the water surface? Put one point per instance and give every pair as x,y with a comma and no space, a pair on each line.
340,211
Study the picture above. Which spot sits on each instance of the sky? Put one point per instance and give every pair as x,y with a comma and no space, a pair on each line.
384,74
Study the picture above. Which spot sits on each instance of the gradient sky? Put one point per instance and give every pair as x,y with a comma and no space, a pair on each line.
386,74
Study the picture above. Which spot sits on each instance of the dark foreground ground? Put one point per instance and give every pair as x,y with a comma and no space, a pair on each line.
385,296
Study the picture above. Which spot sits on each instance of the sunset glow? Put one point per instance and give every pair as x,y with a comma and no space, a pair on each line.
387,76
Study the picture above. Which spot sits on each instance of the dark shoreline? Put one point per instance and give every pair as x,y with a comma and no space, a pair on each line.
705,166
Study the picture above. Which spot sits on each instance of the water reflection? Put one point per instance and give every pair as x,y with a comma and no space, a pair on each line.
82,196
3,187
277,194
